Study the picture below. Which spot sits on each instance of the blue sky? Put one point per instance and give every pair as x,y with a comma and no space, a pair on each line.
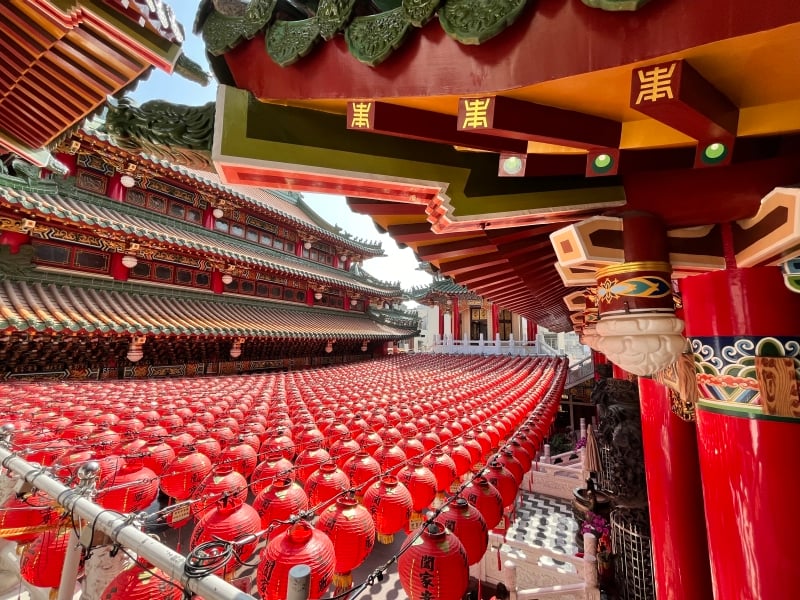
398,265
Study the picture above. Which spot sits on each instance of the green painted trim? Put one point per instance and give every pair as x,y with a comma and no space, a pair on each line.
747,411
279,136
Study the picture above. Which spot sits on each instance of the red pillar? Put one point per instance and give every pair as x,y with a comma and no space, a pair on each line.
531,328
208,218
747,457
118,271
456,320
495,321
216,282
441,323
680,554
310,297
116,191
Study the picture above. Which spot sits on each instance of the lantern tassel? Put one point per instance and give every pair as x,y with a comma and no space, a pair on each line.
342,582
385,538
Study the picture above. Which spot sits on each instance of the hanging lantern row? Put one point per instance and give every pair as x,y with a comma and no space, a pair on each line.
398,441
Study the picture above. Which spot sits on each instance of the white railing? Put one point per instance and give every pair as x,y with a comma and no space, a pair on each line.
529,572
448,345
580,372
91,518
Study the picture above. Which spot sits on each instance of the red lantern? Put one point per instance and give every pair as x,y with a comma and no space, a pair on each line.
434,566
360,469
242,458
21,520
444,469
309,461
343,449
223,480
283,499
184,474
506,459
468,524
352,531
210,447
300,545
280,442
266,472
504,481
142,581
325,483
521,453
132,489
42,560
485,497
421,484
229,520
389,455
158,457
411,446
463,459
389,502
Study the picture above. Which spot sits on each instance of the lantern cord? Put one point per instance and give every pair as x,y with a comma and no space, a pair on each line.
208,557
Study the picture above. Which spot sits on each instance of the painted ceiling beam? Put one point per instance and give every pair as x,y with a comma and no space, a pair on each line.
424,125
366,206
454,249
484,277
517,119
677,95
410,233
455,267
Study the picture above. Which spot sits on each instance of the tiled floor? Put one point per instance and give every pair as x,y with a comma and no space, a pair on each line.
544,522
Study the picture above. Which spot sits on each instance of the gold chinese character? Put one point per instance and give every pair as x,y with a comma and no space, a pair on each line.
475,113
655,84
360,118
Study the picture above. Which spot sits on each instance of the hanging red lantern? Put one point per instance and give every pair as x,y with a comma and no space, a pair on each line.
325,483
369,441
210,447
309,461
504,481
47,452
301,544
411,446
388,456
42,560
421,484
484,496
462,457
506,458
430,440
343,448
141,581
22,519
242,458
352,531
222,481
361,469
434,566
475,450
229,520
279,441
444,469
158,457
267,470
283,499
521,454
466,521
132,489
389,502
184,474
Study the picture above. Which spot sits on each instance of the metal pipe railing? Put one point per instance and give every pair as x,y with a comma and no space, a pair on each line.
120,530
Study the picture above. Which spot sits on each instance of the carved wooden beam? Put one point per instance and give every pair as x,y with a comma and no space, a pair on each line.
428,126
517,119
677,95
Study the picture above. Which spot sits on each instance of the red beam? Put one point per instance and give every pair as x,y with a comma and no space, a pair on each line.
454,249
